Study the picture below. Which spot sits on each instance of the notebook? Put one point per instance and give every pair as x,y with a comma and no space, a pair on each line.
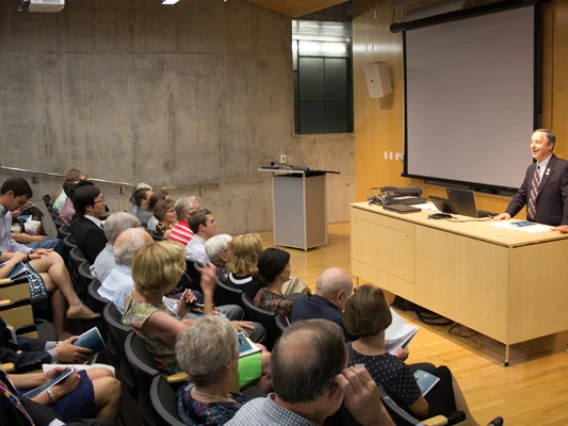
401,208
426,381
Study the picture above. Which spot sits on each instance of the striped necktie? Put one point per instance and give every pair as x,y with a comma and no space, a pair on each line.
531,212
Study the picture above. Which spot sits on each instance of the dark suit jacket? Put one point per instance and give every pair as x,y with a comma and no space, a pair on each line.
89,237
317,307
552,198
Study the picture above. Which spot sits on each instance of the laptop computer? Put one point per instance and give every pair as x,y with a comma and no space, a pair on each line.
443,204
464,203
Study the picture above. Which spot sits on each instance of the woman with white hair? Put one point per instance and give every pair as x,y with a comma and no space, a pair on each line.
207,351
217,248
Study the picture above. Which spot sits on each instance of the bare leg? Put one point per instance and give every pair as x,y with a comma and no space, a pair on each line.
53,266
108,392
461,403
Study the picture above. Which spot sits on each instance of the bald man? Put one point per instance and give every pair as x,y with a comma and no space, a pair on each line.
333,288
311,381
119,281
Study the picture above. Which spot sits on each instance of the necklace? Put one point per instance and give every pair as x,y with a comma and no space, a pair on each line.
228,398
370,348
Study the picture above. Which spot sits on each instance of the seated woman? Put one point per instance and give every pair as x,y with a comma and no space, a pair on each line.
207,350
156,270
367,315
166,215
218,248
245,251
274,270
84,394
47,273
154,198
60,196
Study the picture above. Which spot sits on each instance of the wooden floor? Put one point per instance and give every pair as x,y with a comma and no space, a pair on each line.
532,391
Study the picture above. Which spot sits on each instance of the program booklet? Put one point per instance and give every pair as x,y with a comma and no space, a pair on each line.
426,381
246,346
18,271
36,391
399,334
91,339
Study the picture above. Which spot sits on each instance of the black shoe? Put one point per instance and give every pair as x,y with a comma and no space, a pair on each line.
497,421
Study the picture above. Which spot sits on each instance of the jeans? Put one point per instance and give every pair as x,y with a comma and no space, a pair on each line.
56,244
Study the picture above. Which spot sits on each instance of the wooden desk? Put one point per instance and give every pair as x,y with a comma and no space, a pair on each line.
507,284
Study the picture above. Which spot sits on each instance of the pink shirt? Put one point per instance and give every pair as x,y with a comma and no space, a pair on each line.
67,212
181,233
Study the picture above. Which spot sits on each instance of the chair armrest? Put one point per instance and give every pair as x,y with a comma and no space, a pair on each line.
9,367
5,281
5,302
177,378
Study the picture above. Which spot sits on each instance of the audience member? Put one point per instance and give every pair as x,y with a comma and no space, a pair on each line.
68,210
141,198
156,269
84,394
118,284
207,351
245,250
132,198
274,270
217,249
333,288
203,225
367,314
18,410
154,198
86,225
114,226
311,381
166,215
45,269
181,232
60,196
26,353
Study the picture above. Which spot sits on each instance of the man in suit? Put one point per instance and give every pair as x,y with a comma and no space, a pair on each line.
86,224
545,188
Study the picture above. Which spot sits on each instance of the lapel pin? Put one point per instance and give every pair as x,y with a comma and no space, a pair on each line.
547,172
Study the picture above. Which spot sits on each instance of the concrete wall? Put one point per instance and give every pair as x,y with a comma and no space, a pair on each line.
191,94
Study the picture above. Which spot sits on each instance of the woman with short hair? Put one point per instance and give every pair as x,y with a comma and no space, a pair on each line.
367,315
166,215
274,270
207,351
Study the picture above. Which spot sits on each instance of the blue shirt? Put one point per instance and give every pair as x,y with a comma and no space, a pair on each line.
7,243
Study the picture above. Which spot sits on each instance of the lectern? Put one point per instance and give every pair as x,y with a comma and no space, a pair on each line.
299,202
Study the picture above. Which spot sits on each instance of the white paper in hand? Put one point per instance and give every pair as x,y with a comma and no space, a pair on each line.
399,334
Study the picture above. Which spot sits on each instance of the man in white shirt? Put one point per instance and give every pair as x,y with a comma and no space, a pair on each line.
204,226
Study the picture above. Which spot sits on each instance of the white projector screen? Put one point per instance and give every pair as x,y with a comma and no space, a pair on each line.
470,98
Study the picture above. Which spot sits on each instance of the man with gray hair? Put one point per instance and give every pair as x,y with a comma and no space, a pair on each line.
181,232
333,288
114,226
118,284
311,381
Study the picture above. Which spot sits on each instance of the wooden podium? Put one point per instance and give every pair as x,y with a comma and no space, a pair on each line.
299,203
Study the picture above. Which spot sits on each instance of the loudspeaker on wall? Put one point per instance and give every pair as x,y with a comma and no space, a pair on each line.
378,79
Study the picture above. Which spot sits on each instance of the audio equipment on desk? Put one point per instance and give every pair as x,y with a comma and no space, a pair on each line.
392,195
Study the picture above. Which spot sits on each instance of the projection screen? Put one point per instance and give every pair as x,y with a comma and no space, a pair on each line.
470,91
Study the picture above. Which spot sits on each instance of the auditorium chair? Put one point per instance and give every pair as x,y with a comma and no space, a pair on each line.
225,295
266,318
281,324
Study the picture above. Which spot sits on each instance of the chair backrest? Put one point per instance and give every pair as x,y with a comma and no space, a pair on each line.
77,256
99,301
85,273
163,400
225,295
399,416
64,230
69,241
120,332
281,324
266,318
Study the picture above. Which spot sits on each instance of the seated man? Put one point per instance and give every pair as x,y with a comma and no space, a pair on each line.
119,282
86,224
311,380
114,226
184,207
27,353
333,288
141,198
203,225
